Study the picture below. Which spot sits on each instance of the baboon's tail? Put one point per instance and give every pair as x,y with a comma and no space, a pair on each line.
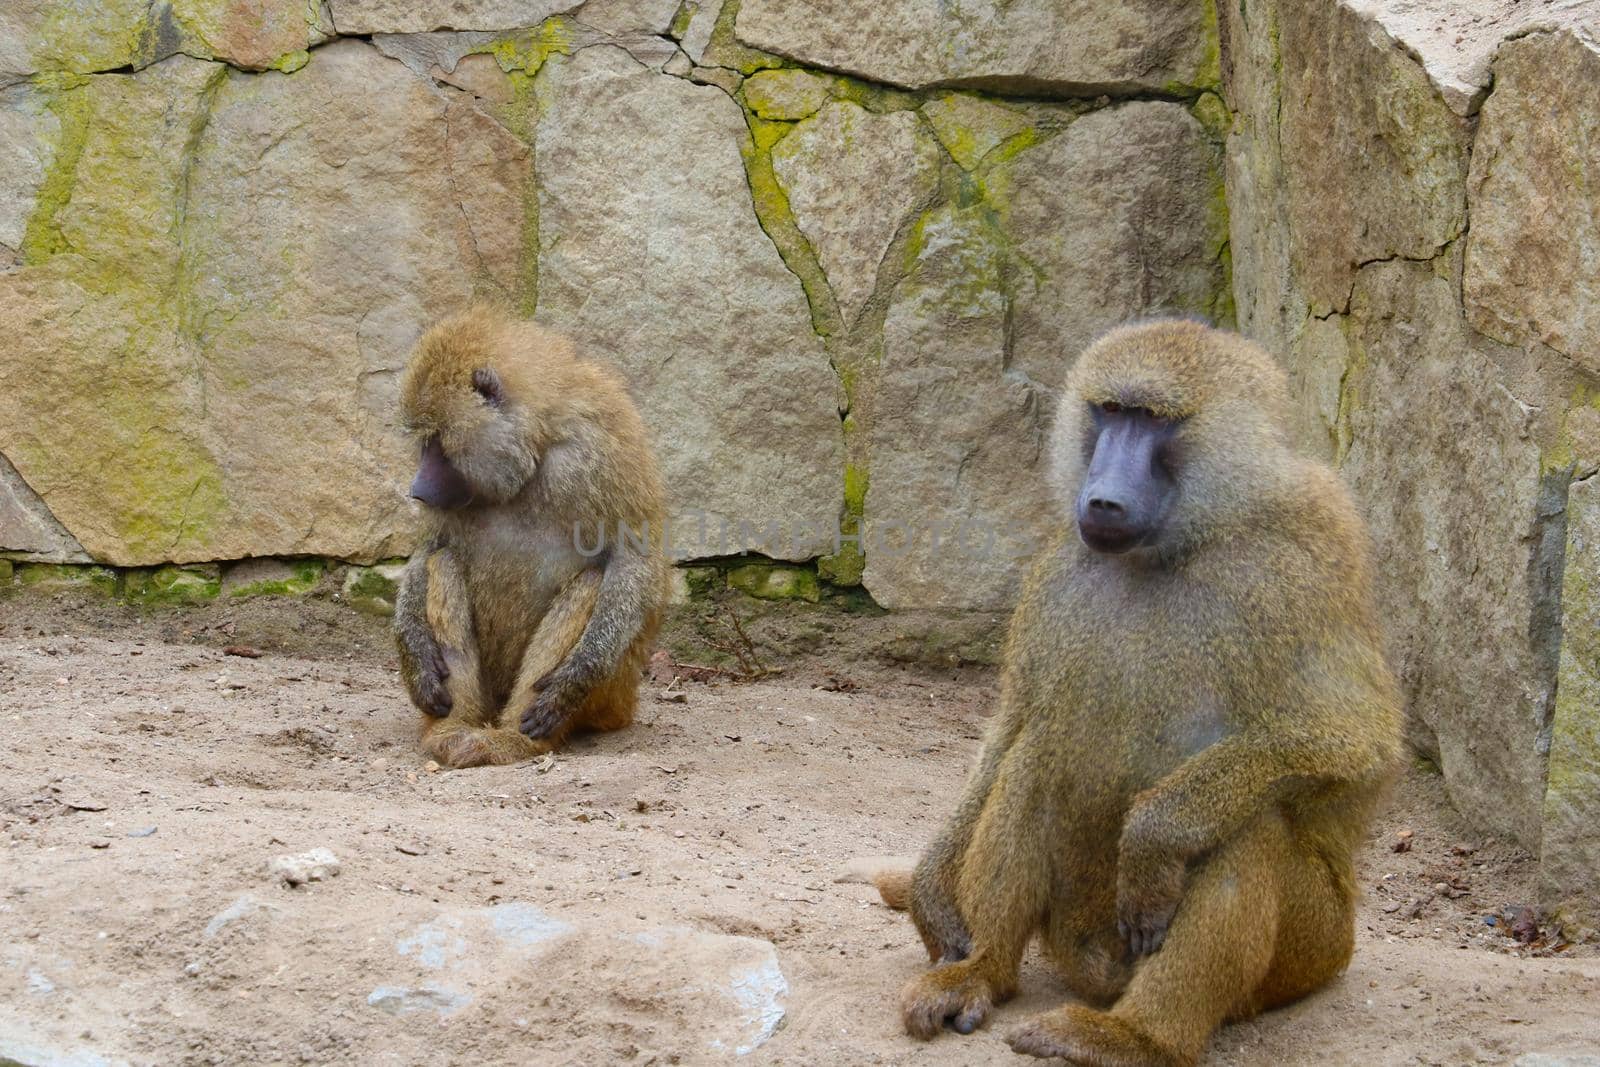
890,874
894,886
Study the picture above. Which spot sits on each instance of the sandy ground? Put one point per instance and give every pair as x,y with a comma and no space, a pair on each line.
515,915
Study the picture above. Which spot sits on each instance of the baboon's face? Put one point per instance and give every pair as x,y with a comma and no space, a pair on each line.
1131,478
439,484
471,437
1169,434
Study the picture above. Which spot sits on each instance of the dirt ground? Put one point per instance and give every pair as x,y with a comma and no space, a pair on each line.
148,778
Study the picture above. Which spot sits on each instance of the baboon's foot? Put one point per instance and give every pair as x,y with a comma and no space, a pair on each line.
481,746
957,994
1091,1038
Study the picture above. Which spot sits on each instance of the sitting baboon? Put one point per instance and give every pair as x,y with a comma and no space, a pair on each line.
531,607
1195,723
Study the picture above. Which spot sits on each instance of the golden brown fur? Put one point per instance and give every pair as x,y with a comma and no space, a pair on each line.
503,619
1190,740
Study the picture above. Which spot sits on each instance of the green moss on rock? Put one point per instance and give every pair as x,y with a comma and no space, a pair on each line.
373,589
725,49
1213,114
788,95
970,127
528,51
702,581
171,585
772,581
73,109
845,567
6,570
778,222
45,576
291,61
273,577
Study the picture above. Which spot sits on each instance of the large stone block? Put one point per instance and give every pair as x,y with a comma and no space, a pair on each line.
1443,464
853,180
956,491
1533,256
1379,159
1059,47
218,303
1115,217
651,255
1120,215
1570,852
99,402
71,35
87,36
421,16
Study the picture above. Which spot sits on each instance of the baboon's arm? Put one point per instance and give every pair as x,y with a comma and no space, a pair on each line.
422,663
1216,793
627,588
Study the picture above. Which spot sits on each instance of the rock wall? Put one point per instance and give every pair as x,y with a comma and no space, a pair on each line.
1413,189
845,253
226,222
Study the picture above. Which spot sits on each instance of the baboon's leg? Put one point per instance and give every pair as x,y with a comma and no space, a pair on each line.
1081,939
936,879
1004,884
498,740
612,704
449,616
1316,927
1218,953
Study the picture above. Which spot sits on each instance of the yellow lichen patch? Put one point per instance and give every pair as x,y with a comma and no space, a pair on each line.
971,127
86,37
787,95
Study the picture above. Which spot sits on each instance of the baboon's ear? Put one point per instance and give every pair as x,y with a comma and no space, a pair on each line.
486,383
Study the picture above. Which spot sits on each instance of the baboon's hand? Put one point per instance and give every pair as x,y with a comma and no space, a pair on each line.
1149,888
433,696
556,702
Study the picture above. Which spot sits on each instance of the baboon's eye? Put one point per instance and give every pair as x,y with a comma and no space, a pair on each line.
1111,407
486,383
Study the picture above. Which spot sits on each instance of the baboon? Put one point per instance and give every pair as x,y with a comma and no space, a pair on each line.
531,607
1195,723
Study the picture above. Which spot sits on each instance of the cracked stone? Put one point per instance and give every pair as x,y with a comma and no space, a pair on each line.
1107,221
1390,155
49,35
651,256
853,179
360,17
1439,456
1061,47
1569,859
1533,256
